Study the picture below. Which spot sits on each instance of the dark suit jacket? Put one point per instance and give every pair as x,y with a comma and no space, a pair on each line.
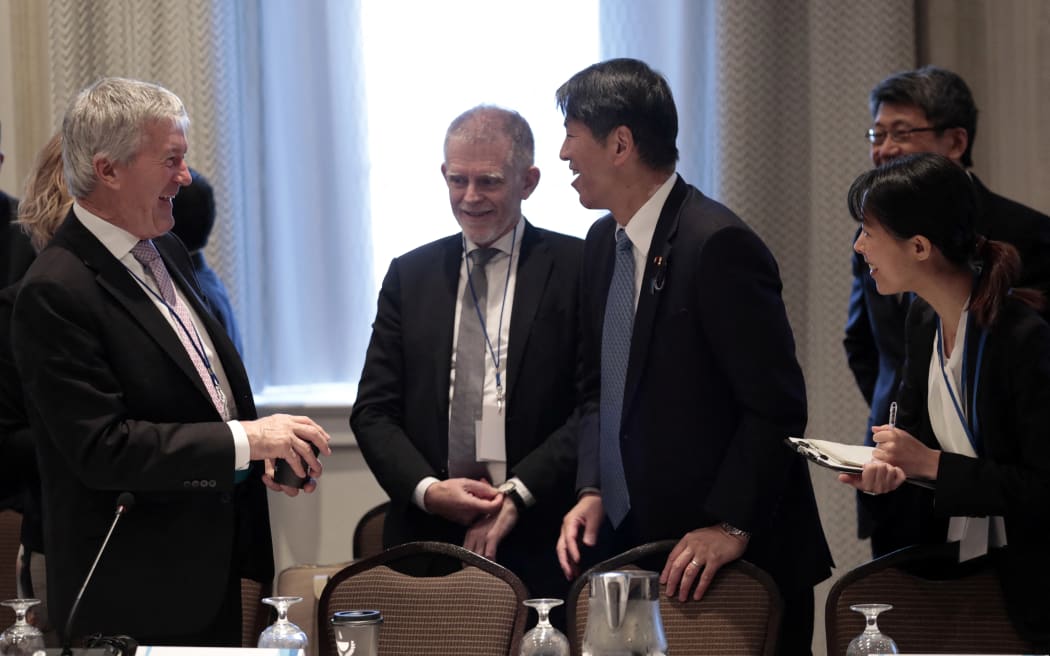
1011,476
15,247
400,418
874,339
20,480
115,405
712,391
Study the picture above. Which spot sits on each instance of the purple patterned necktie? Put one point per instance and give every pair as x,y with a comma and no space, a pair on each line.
146,253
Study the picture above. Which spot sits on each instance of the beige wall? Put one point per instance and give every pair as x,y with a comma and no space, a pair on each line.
1002,49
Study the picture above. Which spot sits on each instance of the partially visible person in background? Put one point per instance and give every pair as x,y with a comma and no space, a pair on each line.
15,252
45,203
194,211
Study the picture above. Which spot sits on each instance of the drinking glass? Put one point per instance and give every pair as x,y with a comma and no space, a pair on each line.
871,641
544,639
21,638
282,634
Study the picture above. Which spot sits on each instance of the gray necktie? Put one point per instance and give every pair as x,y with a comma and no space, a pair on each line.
470,370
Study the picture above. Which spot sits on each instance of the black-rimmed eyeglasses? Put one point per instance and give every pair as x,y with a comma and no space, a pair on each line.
898,135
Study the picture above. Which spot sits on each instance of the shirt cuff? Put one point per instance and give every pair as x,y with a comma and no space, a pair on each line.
523,491
242,449
419,494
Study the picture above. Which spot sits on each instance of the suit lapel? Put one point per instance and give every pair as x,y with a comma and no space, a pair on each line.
442,290
656,270
533,271
115,278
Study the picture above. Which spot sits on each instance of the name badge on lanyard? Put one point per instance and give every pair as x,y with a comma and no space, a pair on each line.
490,444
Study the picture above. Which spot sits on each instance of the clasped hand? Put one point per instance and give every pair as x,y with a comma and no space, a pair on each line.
487,513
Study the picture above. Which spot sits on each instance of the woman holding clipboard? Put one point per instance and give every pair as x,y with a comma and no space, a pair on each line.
974,402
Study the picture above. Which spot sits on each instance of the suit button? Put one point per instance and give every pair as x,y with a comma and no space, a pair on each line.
195,484
185,484
211,483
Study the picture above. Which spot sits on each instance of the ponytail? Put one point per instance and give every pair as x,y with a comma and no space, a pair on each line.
999,265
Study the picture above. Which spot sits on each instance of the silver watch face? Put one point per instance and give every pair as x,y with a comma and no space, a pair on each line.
505,487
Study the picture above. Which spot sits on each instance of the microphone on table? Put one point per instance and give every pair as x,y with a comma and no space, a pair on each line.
125,502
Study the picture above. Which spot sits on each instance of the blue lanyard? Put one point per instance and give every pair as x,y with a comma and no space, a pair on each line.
198,343
494,352
971,426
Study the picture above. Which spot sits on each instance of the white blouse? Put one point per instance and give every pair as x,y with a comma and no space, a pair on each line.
949,427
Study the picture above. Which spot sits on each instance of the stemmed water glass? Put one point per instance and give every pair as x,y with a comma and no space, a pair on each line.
21,638
282,634
871,641
544,639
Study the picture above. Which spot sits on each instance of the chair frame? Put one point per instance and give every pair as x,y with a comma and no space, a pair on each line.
631,556
400,552
945,554
358,546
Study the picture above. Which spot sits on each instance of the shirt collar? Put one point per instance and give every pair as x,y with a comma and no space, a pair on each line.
642,225
504,243
117,241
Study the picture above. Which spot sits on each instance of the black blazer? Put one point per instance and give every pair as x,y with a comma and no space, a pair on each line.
1011,475
874,340
15,248
116,405
712,390
400,418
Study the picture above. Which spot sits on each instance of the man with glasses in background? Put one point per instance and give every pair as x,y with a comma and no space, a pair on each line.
925,110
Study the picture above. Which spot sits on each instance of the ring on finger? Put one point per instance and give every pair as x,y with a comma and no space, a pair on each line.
694,563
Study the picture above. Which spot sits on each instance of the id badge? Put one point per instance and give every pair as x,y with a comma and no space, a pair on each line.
490,435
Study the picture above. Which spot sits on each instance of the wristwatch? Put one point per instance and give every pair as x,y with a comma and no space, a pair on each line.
510,489
734,531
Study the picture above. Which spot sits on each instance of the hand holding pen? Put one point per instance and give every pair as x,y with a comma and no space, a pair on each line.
893,415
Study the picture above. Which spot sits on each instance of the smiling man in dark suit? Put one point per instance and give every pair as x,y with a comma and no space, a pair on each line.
464,409
690,379
131,385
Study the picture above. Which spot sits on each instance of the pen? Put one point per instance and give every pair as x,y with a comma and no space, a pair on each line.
893,414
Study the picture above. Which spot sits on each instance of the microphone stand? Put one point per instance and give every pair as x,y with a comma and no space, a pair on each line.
124,503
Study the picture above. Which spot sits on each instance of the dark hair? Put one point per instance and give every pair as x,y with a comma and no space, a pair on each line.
625,92
194,211
942,95
928,194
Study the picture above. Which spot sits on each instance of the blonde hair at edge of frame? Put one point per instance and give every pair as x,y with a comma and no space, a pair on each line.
45,202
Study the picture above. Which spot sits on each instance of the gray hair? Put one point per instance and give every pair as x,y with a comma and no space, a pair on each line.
484,122
109,119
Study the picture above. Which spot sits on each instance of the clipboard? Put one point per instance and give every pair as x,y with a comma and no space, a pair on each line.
846,458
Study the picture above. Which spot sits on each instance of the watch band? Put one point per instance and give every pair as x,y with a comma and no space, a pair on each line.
510,490
734,531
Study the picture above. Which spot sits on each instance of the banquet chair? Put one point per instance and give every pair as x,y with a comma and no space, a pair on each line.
471,606
953,608
254,614
739,614
368,534
10,538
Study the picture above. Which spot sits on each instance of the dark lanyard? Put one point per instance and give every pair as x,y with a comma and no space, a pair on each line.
477,311
971,426
198,343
